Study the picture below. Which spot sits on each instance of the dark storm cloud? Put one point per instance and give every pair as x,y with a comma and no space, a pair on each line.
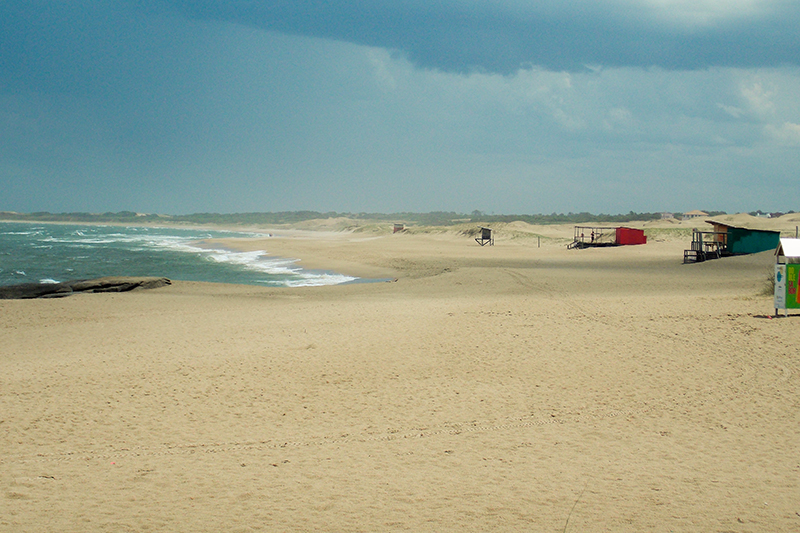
506,35
175,106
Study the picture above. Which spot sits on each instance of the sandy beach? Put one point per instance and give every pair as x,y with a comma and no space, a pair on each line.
515,387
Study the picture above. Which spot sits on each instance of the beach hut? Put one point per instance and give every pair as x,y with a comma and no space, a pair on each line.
787,275
592,236
398,227
725,240
745,240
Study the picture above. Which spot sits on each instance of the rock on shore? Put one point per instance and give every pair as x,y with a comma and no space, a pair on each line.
67,288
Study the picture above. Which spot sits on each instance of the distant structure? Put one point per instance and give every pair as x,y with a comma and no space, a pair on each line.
486,237
398,227
694,214
667,216
725,240
588,236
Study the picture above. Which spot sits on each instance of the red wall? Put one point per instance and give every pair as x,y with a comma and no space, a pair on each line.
631,236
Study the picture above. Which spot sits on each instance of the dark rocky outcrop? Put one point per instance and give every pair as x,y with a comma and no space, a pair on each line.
57,290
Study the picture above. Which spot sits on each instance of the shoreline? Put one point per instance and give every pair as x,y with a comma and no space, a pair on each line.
383,256
362,255
139,251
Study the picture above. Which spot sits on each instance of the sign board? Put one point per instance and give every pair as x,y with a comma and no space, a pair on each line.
787,280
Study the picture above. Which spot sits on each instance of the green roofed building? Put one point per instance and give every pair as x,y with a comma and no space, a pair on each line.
746,241
727,240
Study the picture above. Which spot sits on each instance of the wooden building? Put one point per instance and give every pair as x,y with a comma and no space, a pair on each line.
689,215
724,240
745,240
589,236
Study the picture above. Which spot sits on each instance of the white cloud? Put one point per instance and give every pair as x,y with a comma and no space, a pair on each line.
379,58
567,121
618,118
767,100
735,112
687,13
634,105
703,13
758,98
786,134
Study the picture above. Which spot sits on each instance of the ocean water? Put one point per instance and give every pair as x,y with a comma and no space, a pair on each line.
52,253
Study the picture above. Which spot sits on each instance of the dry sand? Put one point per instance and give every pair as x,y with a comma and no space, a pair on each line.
504,388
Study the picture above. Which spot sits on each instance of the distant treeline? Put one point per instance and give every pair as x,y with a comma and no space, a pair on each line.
435,218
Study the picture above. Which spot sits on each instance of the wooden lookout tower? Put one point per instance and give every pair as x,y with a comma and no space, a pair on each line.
486,237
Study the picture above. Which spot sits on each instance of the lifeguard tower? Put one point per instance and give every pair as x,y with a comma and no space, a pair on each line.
486,237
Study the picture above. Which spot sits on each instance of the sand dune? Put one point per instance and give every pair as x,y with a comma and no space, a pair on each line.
504,388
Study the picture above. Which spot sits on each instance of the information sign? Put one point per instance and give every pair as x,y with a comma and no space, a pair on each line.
787,281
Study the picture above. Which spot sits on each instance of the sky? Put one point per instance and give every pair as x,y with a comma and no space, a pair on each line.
502,106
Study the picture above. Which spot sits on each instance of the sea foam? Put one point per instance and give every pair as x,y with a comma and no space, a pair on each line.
63,252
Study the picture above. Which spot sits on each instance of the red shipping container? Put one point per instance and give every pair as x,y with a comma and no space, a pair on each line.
630,236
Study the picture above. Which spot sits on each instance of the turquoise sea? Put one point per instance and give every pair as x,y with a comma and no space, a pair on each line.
51,253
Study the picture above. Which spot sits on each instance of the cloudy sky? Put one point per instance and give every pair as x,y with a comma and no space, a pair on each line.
505,106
